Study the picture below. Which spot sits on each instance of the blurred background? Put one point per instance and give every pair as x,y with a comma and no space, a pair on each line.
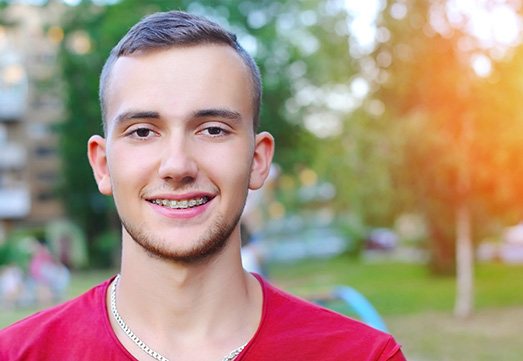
399,128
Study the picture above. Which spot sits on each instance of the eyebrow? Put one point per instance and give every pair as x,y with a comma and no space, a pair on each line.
136,115
217,113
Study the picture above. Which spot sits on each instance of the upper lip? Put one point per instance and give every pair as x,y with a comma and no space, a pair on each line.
180,197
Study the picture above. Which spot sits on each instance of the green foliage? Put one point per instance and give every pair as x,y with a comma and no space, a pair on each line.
106,250
3,20
354,230
18,247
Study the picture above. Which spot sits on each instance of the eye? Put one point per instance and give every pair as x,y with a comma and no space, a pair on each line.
214,131
141,133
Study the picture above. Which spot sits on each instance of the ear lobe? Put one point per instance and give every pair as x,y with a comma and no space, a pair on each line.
262,159
96,152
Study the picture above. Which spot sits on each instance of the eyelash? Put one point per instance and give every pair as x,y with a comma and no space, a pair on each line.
215,128
134,133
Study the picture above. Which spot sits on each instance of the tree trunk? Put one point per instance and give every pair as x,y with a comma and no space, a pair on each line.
464,263
442,246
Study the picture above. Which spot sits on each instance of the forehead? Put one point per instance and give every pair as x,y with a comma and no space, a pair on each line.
180,80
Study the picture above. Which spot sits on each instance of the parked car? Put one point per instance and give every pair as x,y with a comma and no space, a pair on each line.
381,239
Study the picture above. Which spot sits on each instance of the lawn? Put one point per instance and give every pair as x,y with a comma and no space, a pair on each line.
401,288
416,306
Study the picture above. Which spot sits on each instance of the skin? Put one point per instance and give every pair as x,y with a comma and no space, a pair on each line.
179,127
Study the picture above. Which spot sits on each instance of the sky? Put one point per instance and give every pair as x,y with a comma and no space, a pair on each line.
494,24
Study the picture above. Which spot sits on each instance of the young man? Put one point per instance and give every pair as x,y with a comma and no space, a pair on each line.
180,100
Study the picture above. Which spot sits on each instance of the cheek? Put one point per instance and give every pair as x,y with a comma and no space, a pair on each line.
127,169
230,168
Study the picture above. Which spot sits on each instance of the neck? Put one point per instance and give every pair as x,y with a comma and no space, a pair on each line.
182,306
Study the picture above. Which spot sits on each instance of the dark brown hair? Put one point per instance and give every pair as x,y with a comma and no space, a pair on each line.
177,28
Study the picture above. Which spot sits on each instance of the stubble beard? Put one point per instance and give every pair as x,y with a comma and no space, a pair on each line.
204,248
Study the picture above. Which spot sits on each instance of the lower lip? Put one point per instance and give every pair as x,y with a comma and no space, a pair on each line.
185,213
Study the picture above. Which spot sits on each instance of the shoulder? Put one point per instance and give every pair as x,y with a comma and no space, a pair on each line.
284,308
55,326
291,323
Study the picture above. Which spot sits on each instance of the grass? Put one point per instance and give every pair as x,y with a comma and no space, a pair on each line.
492,334
416,306
400,288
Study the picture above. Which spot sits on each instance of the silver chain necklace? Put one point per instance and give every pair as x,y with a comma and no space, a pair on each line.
142,345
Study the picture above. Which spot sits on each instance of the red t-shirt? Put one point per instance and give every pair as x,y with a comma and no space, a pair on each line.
290,329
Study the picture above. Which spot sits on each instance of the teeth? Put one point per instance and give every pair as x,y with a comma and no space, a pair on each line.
186,203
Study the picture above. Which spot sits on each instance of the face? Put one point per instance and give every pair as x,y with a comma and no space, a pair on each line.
180,153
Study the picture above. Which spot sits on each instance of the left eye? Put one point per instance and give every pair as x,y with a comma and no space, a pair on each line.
214,131
143,132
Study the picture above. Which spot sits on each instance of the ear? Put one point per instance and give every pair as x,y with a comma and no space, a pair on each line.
262,159
96,152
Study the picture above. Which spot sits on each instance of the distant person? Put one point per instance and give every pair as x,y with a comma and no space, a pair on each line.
50,278
11,286
180,100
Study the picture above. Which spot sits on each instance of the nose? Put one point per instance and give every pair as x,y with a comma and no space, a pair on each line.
178,163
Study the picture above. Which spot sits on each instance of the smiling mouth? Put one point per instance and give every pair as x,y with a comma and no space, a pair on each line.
180,204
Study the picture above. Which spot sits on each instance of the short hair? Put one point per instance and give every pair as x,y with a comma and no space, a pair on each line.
164,30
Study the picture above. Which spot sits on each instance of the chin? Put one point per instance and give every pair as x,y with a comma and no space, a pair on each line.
206,247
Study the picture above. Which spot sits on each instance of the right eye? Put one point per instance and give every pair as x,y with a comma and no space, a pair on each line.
141,133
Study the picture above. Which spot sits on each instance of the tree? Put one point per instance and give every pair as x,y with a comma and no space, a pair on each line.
451,131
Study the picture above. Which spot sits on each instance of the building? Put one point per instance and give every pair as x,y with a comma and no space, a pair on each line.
30,108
